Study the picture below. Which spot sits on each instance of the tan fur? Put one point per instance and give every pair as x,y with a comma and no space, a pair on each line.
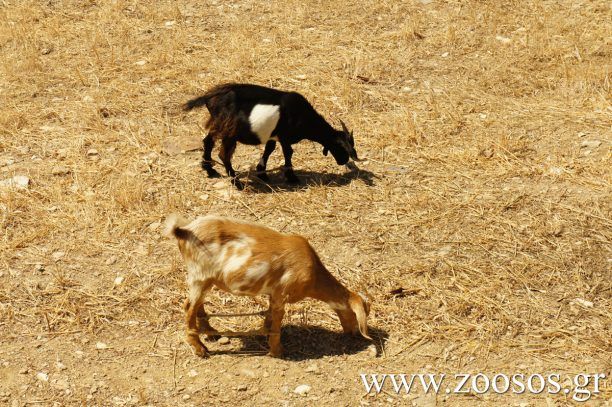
248,259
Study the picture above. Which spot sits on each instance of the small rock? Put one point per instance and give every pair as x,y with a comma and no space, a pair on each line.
169,24
88,99
301,77
101,345
444,250
39,267
60,170
60,366
204,197
242,387
302,389
487,152
372,351
224,340
178,145
42,376
192,373
154,226
140,63
590,144
18,181
92,152
312,369
7,162
248,373
61,384
57,256
584,303
119,280
502,39
111,260
186,397
426,400
219,185
446,54
24,370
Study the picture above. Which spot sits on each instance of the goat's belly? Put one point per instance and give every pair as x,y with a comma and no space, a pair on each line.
252,279
244,288
250,139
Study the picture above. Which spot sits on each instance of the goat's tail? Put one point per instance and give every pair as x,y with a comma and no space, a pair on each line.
175,227
197,102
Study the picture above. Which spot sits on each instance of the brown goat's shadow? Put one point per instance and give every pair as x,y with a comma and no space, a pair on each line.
307,179
312,342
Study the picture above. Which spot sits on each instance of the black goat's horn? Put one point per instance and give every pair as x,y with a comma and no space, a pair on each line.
344,128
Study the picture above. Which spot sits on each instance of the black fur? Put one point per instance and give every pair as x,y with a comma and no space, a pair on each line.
230,106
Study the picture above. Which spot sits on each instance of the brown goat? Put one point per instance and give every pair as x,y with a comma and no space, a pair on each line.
248,259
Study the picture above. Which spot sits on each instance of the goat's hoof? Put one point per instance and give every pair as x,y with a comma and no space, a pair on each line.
238,184
198,348
212,174
212,338
276,354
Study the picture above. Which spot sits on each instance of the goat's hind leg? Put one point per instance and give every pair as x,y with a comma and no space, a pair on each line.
197,290
207,162
203,323
228,146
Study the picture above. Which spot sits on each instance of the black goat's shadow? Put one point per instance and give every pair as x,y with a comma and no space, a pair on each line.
311,342
277,182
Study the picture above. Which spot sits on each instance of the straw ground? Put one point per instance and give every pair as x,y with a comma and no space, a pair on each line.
484,204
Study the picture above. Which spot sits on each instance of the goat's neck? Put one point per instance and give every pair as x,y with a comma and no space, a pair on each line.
330,290
323,131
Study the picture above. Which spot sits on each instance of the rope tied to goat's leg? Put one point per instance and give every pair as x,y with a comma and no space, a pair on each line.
241,314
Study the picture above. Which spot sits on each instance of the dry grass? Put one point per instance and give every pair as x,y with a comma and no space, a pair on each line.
485,203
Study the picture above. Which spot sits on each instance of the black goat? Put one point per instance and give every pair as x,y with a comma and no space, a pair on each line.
254,115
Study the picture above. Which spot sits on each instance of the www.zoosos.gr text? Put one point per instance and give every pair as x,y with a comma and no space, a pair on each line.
581,386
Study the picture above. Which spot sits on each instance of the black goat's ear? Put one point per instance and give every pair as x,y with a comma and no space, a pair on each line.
325,150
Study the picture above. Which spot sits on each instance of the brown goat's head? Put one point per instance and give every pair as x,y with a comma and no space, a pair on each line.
354,318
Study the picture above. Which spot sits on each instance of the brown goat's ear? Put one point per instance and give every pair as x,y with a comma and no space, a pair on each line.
358,307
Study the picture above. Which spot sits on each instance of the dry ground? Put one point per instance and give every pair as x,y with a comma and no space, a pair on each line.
486,195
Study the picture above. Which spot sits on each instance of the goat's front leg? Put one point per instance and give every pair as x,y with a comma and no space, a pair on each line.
207,162
288,168
277,312
263,162
228,146
197,290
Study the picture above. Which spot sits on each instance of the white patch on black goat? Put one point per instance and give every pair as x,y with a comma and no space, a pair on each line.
263,120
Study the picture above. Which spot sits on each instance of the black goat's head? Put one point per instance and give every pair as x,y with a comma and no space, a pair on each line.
342,146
